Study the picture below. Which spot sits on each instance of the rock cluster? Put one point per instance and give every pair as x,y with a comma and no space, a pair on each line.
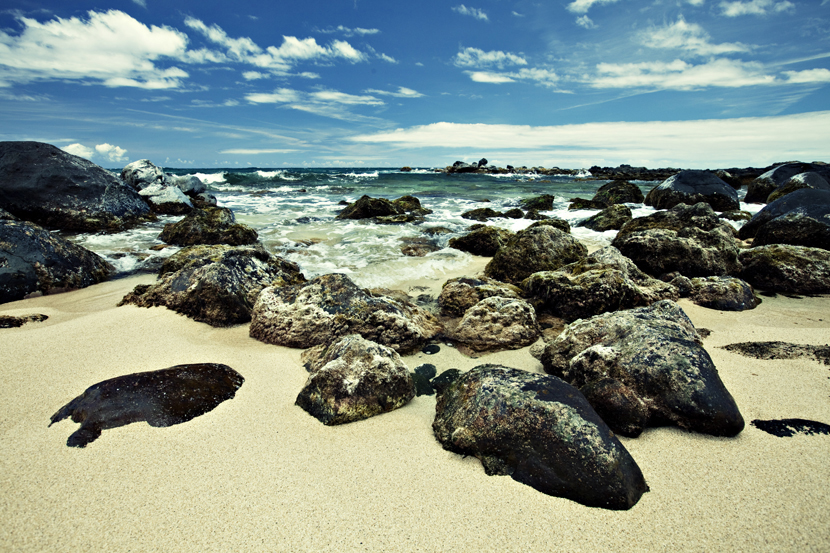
406,209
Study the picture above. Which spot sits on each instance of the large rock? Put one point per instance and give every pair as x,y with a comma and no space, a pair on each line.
534,249
619,192
644,367
541,432
217,284
211,225
354,379
331,306
538,203
45,185
691,187
787,269
801,218
691,240
797,182
33,260
168,200
482,240
603,281
367,208
142,174
610,218
723,293
482,214
460,294
497,323
759,190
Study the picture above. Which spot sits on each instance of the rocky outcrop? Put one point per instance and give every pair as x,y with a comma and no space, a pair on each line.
801,218
627,172
538,203
537,248
723,293
541,432
460,294
142,173
167,200
34,260
604,281
797,182
212,225
385,210
354,379
692,187
482,240
759,190
644,367
168,194
691,240
619,192
497,323
787,269
482,214
331,306
610,218
217,285
47,186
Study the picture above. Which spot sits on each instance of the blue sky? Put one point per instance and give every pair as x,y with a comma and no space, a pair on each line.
683,83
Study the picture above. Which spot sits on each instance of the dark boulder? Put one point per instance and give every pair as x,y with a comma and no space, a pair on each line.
482,240
554,222
610,218
482,214
801,218
539,203
405,209
723,293
797,182
619,192
759,190
9,321
497,323
787,269
460,294
537,248
462,167
34,260
212,225
582,203
541,432
781,350
655,354
45,185
692,187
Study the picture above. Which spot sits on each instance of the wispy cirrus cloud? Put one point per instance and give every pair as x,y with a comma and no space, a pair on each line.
582,6
327,103
472,12
755,7
402,92
346,31
689,37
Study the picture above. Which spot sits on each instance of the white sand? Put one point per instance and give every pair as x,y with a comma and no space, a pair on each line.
259,474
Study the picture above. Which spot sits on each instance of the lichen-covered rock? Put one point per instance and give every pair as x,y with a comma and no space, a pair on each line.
610,218
45,185
389,211
655,353
482,240
538,203
555,222
168,200
212,225
691,187
537,248
723,293
460,294
603,281
217,285
482,214
582,203
759,189
32,260
331,306
541,432
787,269
354,379
797,182
619,192
691,240
497,323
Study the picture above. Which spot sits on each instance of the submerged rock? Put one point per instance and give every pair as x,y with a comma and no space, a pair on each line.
541,432
460,294
539,247
162,398
211,225
787,269
497,323
692,187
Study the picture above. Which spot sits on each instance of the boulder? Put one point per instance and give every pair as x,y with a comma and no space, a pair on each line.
354,379
801,218
167,200
45,185
402,210
538,203
582,203
540,431
534,215
656,357
211,225
217,284
619,192
787,269
482,214
514,213
34,260
797,182
143,173
759,189
723,293
189,184
460,294
462,167
610,218
497,323
691,240
482,240
603,281
691,187
537,248
331,306
9,321
554,222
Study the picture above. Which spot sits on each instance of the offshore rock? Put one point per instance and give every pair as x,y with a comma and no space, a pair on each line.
540,431
482,240
692,187
627,172
460,294
331,306
655,354
582,203
610,218
217,285
801,218
497,323
604,281
33,260
797,182
45,185
211,225
691,240
367,207
162,398
354,379
619,192
759,190
168,200
482,214
787,269
539,247
723,293
538,203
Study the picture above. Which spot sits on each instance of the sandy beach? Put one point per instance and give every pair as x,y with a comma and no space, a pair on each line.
259,474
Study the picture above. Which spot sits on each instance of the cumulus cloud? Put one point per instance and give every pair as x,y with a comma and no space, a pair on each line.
808,76
472,12
474,57
690,37
111,153
582,6
79,150
94,49
755,7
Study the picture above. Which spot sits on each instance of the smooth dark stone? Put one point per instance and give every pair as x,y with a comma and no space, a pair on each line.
443,380
787,428
431,349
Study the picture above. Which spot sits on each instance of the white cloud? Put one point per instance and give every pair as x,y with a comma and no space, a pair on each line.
349,32
689,37
808,76
472,12
95,49
253,75
585,21
335,97
541,76
402,92
112,153
327,103
755,7
582,6
142,3
490,77
254,151
474,57
79,150
679,75
279,96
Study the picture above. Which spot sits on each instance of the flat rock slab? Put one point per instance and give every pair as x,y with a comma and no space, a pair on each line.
787,428
162,398
781,350
7,321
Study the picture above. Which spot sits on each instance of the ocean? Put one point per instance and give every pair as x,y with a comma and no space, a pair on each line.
294,211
